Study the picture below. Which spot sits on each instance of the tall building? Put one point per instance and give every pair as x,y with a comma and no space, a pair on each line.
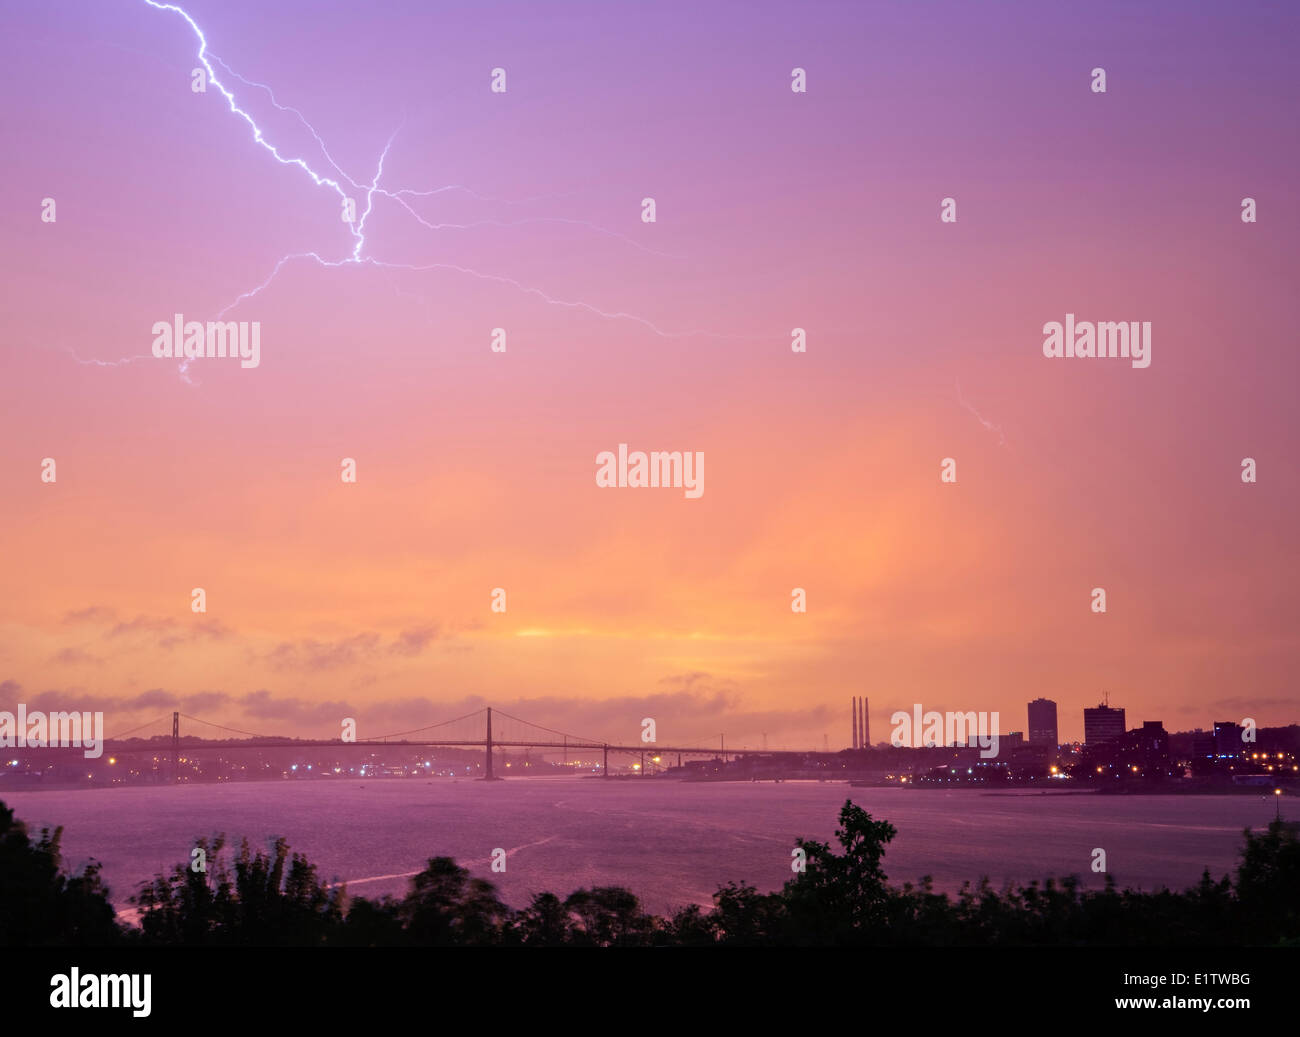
1102,724
1142,752
1153,739
1042,723
1227,739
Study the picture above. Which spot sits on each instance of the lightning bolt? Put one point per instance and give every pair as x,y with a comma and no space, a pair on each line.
339,181
92,362
498,278
320,181
370,199
400,196
396,196
1002,439
288,108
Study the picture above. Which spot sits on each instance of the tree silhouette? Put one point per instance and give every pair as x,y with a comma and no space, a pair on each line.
40,906
1268,884
270,899
841,898
446,907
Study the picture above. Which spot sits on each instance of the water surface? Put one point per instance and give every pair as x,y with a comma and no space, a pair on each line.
671,843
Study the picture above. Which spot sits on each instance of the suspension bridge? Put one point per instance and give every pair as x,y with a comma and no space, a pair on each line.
487,728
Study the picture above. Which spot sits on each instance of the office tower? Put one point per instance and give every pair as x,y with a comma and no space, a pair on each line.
1153,740
1102,724
1042,723
1227,738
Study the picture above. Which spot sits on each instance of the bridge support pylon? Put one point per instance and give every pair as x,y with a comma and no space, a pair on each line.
487,765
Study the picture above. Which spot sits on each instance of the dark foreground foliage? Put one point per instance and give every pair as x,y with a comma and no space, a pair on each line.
40,906
272,898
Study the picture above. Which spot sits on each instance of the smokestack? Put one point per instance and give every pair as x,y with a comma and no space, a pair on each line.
855,723
866,726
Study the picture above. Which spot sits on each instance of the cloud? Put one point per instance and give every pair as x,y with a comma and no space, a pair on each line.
169,631
76,657
697,682
312,655
262,705
1246,705
93,614
155,698
204,701
683,718
414,641
75,698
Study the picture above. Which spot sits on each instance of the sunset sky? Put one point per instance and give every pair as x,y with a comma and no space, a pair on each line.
775,210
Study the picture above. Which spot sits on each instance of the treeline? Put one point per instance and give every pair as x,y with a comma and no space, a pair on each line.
275,898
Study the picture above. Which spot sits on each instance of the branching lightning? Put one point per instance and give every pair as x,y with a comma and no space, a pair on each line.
320,181
220,75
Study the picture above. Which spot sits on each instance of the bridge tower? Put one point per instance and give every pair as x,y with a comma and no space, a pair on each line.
176,745
604,770
487,769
